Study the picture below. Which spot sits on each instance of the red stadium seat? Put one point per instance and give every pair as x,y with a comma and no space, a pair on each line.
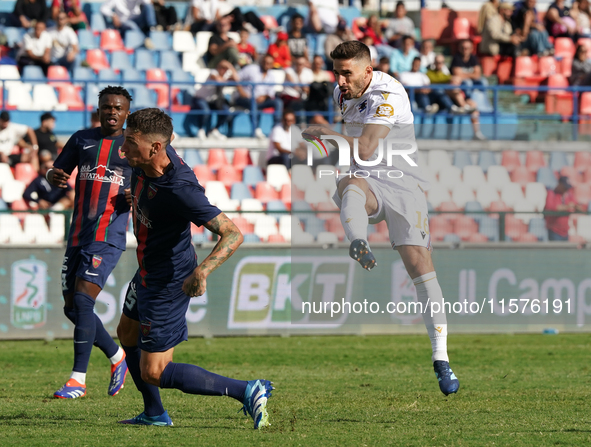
228,175
465,227
572,173
504,69
525,67
243,225
585,109
285,195
276,238
439,226
582,161
203,174
564,47
241,158
24,172
216,159
478,237
547,66
526,237
335,226
461,28
514,227
449,207
523,176
559,101
97,60
583,193
586,42
270,22
162,90
111,40
70,95
511,160
265,192
57,73
489,64
526,73
566,66
534,160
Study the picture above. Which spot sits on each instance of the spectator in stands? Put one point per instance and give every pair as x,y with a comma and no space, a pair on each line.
560,21
399,25
65,43
42,195
264,93
36,48
279,151
323,16
94,120
384,66
465,66
341,34
583,17
498,36
452,100
415,78
76,18
11,135
203,15
280,51
166,17
240,20
319,72
247,54
127,15
298,44
46,138
560,199
526,23
401,60
221,46
581,67
374,30
427,54
487,10
210,98
373,52
294,97
27,12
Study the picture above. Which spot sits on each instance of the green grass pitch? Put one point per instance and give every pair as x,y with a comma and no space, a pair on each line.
334,391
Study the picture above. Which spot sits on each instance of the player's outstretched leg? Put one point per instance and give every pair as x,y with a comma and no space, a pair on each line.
355,221
360,251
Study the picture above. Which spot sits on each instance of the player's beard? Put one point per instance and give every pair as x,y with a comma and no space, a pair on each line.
356,89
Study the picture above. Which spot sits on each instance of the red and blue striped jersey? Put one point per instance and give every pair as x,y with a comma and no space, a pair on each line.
101,212
163,209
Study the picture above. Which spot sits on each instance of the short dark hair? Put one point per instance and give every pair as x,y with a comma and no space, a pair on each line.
352,49
406,37
416,59
4,116
399,3
297,15
151,122
384,59
115,90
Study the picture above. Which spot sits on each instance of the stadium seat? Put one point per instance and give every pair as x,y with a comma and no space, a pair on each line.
108,77
228,175
449,176
474,210
97,22
14,36
57,73
69,95
241,158
201,43
5,174
134,40
489,227
143,97
276,206
524,210
86,40
499,206
132,78
111,40
439,226
243,225
449,210
9,73
462,158
203,174
573,175
526,237
160,40
325,237
314,225
144,60
583,227
170,61
35,229
461,28
216,192
498,176
83,74
511,193
97,60
537,227
277,176
535,193
510,160
285,226
216,159
514,227
301,176
182,80
534,160
315,194
522,175
24,172
438,195
461,194
11,230
473,177
558,161
546,177
12,190
45,98
120,60
270,22
33,73
486,194
564,47
183,41
192,157
154,78
582,160
240,191
587,175
19,96
465,227
437,160
251,175
582,193
302,238
485,160
547,66
525,67
559,101
254,209
285,195
326,176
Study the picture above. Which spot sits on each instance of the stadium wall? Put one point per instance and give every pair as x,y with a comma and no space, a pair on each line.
251,293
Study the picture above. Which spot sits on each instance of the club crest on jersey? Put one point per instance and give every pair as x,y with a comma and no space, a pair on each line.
385,110
121,154
145,327
152,190
361,107
343,108
96,261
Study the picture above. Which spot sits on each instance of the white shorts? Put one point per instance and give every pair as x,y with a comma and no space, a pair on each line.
404,211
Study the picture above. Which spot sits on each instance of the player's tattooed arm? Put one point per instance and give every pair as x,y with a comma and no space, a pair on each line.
230,240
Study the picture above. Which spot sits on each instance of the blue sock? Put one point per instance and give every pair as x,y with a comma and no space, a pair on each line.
102,339
192,379
84,331
150,393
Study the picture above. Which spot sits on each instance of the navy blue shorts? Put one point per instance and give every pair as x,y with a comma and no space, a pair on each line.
161,314
93,263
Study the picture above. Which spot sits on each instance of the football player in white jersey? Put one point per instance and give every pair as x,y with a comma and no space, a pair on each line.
376,107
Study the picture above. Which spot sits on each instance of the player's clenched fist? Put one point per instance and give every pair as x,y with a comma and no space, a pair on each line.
57,177
128,196
195,284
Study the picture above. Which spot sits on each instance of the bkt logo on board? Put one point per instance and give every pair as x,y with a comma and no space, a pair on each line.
28,304
269,291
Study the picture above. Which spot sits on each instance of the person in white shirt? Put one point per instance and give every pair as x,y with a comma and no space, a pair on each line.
279,151
138,15
294,97
36,49
65,43
400,25
264,93
415,78
427,55
323,16
11,135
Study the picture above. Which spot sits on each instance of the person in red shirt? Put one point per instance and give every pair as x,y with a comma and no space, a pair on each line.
560,199
247,52
280,51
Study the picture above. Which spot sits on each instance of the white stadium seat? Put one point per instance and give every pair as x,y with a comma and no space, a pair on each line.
202,42
535,193
19,95
486,194
216,192
437,195
251,205
12,232
44,98
461,194
326,237
285,228
5,174
512,194
450,176
265,226
301,176
302,238
527,208
12,190
473,177
438,159
183,41
326,181
35,229
277,176
315,194
584,227
498,176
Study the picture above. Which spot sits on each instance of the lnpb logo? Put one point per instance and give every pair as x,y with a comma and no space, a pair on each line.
28,305
270,292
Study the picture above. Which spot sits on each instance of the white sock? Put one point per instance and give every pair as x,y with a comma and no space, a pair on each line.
353,215
117,357
79,377
428,289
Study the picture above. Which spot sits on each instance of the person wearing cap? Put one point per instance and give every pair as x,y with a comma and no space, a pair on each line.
498,36
46,139
560,198
280,51
11,135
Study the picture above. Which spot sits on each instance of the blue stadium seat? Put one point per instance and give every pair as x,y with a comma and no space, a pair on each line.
486,159
97,22
83,74
169,61
462,158
120,60
251,237
188,82
192,158
537,227
319,49
130,75
92,92
240,191
161,40
143,98
13,35
144,60
87,40
108,77
276,205
472,207
259,42
252,175
301,209
3,205
134,39
33,73
314,225
547,177
489,227
452,238
557,161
